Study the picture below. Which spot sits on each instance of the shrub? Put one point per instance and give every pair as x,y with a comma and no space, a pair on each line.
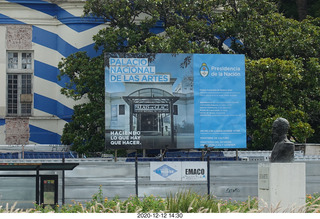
180,202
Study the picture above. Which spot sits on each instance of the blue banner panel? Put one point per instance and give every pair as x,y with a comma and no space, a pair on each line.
219,101
175,101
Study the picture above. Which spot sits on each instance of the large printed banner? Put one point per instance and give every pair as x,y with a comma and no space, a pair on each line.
174,101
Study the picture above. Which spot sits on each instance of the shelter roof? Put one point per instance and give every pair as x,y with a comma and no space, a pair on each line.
37,166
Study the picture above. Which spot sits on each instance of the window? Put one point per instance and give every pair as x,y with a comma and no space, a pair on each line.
121,109
19,60
175,109
19,83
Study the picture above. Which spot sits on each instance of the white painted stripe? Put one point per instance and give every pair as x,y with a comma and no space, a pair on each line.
78,40
3,68
71,7
31,142
48,23
39,113
17,12
52,124
46,55
41,87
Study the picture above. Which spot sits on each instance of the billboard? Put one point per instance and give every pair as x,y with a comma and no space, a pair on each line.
174,101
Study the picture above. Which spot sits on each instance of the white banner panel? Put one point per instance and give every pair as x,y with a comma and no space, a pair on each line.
194,171
165,171
178,171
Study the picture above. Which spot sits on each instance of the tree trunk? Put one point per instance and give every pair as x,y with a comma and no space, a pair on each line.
302,9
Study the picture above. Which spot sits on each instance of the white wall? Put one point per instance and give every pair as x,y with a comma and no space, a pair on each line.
3,77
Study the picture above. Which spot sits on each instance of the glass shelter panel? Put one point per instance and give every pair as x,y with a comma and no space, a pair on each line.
18,189
48,192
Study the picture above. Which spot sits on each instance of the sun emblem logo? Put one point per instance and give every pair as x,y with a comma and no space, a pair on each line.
165,171
204,70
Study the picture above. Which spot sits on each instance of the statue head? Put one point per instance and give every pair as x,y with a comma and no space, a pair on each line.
280,128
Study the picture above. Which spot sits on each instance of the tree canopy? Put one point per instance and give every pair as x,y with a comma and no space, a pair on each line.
299,9
282,60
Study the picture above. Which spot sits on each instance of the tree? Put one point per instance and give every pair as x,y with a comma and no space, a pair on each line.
272,43
186,30
299,9
302,8
282,58
272,92
86,130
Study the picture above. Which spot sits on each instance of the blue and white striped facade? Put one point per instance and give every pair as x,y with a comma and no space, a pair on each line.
58,30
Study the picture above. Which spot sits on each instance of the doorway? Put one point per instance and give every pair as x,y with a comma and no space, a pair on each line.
149,122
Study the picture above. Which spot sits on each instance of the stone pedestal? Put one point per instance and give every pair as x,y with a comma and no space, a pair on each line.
282,186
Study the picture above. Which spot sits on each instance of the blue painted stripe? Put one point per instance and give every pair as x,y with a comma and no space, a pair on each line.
39,5
45,71
42,136
49,73
158,27
229,41
7,20
55,42
2,122
81,24
44,38
91,52
61,14
52,106
52,41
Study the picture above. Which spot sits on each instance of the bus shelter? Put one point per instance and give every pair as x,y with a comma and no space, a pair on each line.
45,187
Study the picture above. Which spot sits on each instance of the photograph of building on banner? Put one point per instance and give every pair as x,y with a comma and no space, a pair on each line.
151,102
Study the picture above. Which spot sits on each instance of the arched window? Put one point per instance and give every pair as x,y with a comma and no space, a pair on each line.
150,92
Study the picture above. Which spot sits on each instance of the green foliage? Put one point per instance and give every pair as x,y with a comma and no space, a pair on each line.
86,130
181,202
266,33
185,22
272,91
282,68
290,9
192,202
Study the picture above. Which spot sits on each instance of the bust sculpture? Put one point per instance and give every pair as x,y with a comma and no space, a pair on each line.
283,150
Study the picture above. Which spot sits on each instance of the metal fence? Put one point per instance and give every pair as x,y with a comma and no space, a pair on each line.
236,180
228,180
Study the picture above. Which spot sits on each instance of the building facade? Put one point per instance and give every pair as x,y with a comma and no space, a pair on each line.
34,36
